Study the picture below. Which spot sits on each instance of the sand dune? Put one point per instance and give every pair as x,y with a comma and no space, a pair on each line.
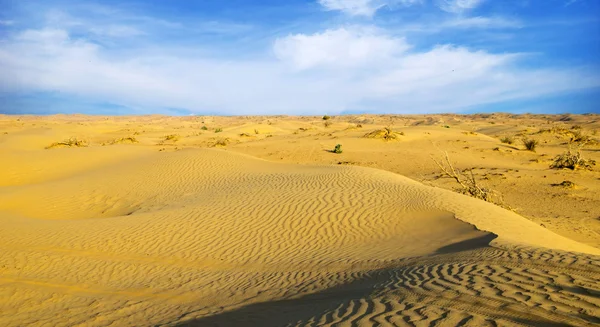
126,235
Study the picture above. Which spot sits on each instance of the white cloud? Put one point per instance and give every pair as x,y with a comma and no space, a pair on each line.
341,47
363,7
482,22
335,70
458,6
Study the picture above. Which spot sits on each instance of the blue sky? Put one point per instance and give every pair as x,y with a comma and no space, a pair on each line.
243,57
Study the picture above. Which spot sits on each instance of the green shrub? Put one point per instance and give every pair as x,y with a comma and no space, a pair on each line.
337,149
218,130
204,128
326,117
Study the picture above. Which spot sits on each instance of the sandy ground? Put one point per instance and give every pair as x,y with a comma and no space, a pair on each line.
253,221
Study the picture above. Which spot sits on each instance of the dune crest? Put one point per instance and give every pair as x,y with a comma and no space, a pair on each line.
208,237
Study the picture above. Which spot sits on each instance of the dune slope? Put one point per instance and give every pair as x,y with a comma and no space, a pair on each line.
206,237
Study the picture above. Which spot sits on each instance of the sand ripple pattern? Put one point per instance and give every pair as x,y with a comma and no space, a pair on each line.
206,237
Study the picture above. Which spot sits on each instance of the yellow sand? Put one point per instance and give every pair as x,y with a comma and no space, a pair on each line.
165,232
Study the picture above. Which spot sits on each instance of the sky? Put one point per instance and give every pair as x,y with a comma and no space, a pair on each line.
299,57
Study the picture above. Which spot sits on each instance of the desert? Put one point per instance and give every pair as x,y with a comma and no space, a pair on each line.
413,220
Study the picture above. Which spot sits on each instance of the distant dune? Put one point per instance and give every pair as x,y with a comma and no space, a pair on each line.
153,221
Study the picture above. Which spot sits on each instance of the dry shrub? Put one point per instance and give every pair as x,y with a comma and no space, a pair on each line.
572,159
172,137
530,144
466,180
221,142
327,123
326,117
129,139
71,142
507,140
387,134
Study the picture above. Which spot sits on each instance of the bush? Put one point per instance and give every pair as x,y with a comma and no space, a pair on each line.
204,128
172,137
327,123
326,117
337,149
530,144
218,130
507,140
572,159
73,141
387,134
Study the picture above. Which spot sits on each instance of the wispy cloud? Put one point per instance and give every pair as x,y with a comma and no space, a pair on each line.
342,47
458,6
7,22
363,7
357,67
417,59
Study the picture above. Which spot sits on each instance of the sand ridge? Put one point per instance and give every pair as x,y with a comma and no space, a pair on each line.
205,236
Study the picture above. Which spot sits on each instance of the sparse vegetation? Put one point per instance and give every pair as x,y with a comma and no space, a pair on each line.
387,134
326,117
530,144
218,130
244,135
572,159
337,149
172,137
327,123
204,128
507,140
466,180
221,142
565,184
129,139
71,142
255,131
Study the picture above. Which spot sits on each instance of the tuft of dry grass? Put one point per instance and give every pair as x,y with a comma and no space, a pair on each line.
218,130
530,144
129,139
222,141
387,134
71,142
508,140
566,184
327,123
172,137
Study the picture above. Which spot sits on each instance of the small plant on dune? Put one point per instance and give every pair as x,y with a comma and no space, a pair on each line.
530,144
387,134
326,117
129,139
221,142
572,159
255,131
446,126
507,140
204,128
337,149
172,137
71,142
468,183
244,134
218,130
327,123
